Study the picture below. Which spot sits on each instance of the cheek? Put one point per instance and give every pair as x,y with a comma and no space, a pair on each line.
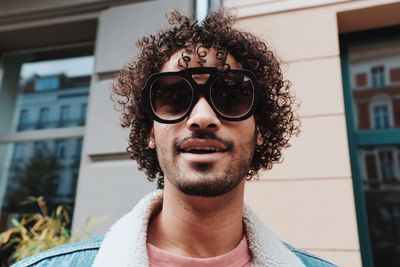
163,133
244,131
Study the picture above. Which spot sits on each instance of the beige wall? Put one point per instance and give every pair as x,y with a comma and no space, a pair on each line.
308,200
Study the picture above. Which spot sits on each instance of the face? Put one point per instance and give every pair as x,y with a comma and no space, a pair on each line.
204,155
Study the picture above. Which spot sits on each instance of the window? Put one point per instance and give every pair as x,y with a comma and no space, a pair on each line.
381,106
40,147
381,116
82,119
378,76
18,152
64,115
49,90
47,83
373,124
23,120
60,149
43,118
387,165
78,149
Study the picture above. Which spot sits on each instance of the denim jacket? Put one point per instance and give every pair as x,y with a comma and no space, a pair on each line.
118,248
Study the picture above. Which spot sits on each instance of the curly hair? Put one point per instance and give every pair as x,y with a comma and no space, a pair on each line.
274,116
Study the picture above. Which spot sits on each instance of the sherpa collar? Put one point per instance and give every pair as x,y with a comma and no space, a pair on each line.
125,244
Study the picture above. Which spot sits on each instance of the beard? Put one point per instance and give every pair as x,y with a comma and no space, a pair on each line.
204,179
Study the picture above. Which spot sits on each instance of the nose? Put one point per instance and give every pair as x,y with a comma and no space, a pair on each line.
203,117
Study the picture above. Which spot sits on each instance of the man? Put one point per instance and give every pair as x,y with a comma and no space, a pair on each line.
208,108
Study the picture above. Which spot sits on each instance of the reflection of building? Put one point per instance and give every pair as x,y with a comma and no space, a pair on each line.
381,166
375,76
376,92
51,102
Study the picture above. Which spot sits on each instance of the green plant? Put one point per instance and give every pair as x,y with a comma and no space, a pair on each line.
36,232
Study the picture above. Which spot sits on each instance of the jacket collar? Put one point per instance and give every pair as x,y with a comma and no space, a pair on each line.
125,244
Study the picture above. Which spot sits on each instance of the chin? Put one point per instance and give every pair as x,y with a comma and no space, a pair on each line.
206,187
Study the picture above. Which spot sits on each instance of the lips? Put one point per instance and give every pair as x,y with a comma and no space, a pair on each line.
202,146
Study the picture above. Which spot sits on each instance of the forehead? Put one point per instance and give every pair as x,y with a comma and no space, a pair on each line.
210,60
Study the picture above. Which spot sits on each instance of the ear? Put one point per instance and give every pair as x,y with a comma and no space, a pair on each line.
260,139
151,143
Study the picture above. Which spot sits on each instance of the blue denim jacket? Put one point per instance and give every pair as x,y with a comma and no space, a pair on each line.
82,254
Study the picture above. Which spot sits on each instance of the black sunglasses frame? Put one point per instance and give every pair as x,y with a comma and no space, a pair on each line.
199,89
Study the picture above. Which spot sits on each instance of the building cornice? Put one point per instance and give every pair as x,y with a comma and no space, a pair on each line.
24,17
260,7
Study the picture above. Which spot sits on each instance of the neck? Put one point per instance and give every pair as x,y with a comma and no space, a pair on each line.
198,227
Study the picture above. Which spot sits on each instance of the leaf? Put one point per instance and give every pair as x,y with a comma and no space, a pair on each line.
5,236
37,232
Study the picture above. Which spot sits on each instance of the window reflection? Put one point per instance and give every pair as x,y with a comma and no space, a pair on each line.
46,168
375,82
375,91
381,116
381,166
52,102
378,76
50,94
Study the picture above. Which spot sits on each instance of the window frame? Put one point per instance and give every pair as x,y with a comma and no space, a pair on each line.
376,103
358,139
9,138
378,76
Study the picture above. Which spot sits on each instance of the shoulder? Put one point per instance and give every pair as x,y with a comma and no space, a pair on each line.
75,254
309,259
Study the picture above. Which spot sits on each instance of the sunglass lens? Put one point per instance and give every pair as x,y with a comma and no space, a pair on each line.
232,94
171,97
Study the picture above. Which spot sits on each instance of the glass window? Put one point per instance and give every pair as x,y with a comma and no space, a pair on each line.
377,106
83,113
40,147
23,120
374,134
387,165
64,116
18,152
78,149
42,168
47,83
60,149
44,118
42,95
381,116
378,76
381,189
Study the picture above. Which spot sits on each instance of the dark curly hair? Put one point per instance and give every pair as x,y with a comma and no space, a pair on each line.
274,116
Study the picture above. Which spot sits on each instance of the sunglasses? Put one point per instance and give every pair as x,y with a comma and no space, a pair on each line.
170,96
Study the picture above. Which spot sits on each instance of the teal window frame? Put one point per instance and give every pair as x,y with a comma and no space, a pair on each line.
357,138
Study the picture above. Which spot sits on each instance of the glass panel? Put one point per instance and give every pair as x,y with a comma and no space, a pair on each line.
381,169
375,85
52,94
35,96
42,168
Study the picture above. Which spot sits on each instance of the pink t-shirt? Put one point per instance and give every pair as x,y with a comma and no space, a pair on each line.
239,257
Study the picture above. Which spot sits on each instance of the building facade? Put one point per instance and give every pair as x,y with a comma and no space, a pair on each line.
319,199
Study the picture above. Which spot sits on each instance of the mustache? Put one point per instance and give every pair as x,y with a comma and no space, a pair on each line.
207,135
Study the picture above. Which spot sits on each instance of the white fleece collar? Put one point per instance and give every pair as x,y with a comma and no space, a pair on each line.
125,244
